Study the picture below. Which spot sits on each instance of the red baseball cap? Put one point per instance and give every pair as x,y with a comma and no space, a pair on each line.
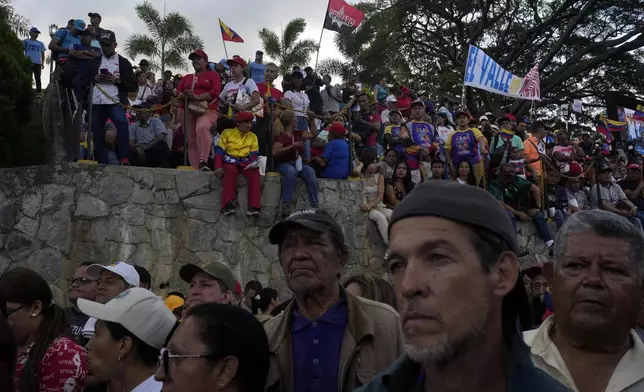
238,288
244,117
236,60
336,129
199,53
575,170
633,166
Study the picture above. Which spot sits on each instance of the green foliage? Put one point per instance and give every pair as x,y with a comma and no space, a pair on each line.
169,41
287,51
21,141
583,48
17,23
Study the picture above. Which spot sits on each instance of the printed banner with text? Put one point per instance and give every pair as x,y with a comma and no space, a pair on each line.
484,73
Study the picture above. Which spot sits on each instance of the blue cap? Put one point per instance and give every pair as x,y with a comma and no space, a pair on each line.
34,30
224,62
80,24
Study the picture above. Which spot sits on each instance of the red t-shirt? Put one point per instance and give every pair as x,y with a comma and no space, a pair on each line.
63,367
207,82
287,140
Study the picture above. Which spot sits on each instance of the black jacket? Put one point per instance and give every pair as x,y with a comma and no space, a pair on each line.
127,84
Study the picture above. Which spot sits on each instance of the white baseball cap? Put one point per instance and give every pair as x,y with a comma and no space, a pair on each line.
139,311
483,118
124,270
392,98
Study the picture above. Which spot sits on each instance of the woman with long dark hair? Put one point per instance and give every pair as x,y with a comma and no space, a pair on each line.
400,184
464,173
48,359
264,303
7,355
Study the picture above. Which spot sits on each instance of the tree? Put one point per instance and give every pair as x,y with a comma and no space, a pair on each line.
287,50
583,47
17,23
21,141
169,41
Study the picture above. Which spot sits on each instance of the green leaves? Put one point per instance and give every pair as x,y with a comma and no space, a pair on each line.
169,41
287,50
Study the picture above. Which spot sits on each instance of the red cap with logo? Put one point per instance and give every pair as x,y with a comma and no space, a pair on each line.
198,53
336,129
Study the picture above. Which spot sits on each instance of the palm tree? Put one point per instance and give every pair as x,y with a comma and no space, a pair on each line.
169,41
288,51
18,23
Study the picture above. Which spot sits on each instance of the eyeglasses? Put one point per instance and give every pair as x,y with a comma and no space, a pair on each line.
165,356
81,281
6,313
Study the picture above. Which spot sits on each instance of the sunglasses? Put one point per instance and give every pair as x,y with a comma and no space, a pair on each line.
80,281
6,313
165,356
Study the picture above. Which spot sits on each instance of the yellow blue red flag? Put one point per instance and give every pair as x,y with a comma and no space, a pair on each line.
228,34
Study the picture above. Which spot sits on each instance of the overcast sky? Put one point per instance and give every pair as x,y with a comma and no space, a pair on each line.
245,17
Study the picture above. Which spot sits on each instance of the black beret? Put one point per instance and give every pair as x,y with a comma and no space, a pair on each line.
464,204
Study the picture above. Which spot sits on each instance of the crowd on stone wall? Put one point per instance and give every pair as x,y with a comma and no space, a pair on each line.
445,191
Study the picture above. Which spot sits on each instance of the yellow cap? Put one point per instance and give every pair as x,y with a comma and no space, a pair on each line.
173,302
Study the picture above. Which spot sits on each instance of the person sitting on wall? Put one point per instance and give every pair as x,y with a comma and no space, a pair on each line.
237,153
147,139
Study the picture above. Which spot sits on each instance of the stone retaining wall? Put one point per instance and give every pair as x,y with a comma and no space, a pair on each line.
52,218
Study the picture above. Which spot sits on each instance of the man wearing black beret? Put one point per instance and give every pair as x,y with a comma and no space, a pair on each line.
452,257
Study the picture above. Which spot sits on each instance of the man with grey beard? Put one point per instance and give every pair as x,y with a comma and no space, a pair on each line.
452,255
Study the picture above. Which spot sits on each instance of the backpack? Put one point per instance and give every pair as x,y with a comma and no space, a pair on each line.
500,152
54,55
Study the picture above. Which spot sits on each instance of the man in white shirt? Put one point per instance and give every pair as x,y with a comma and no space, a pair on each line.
392,104
589,343
113,78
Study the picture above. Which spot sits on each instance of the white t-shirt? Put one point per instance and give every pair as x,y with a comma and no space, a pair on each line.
149,385
112,66
444,132
299,100
461,181
231,88
89,329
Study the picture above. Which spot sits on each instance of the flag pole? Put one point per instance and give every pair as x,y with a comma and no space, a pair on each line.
317,56
225,50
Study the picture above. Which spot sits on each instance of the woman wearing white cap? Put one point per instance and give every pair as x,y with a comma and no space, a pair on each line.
131,329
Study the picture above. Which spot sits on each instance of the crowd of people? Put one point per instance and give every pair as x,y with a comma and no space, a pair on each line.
445,191
237,122
453,298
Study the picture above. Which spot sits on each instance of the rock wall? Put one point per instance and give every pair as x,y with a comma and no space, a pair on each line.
52,218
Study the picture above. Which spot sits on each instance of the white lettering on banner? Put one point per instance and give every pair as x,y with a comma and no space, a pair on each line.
484,73
340,18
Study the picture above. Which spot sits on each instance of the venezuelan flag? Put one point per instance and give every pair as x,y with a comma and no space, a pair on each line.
228,34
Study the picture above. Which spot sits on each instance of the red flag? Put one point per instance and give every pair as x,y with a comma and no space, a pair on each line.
342,17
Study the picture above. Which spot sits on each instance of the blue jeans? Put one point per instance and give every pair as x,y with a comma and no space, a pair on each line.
289,179
539,221
560,217
302,125
100,115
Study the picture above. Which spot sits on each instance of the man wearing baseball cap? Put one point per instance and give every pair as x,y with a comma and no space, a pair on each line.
144,66
113,79
147,138
213,282
230,94
466,144
392,104
237,154
325,329
112,280
257,67
35,50
131,330
63,41
452,257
